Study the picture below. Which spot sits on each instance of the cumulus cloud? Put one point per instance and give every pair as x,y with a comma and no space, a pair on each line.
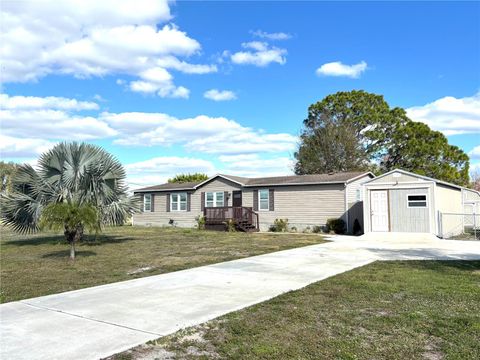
211,135
159,169
337,68
260,54
51,102
271,36
475,153
93,38
450,115
252,165
158,80
22,147
40,118
219,95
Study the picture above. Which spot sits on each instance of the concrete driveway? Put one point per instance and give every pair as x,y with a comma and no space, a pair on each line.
97,322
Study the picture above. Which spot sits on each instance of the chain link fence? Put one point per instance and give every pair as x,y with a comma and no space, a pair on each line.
459,226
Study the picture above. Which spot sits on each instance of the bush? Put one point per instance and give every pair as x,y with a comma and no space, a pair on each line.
307,230
293,229
200,219
317,229
230,225
336,225
279,225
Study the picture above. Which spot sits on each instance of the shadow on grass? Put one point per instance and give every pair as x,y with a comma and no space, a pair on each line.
89,240
66,253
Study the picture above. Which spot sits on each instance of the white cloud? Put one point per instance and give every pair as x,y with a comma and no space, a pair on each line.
252,165
52,102
211,135
219,95
338,69
450,115
158,80
262,55
271,36
475,153
93,38
158,170
14,147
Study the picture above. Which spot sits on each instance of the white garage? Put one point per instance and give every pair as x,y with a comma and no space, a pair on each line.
401,201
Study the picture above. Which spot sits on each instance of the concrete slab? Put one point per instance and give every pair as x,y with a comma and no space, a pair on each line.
100,321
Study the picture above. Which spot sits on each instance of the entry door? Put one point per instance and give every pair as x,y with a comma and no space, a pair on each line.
237,198
379,210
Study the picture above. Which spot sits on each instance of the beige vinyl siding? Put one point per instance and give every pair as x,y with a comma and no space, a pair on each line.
160,217
449,200
355,208
303,205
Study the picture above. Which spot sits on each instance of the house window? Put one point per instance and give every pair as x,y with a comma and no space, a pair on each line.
147,202
214,199
358,195
263,199
178,202
417,201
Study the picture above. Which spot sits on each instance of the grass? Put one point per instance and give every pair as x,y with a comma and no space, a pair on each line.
36,265
385,310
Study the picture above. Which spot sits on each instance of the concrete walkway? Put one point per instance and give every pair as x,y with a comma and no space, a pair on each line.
97,322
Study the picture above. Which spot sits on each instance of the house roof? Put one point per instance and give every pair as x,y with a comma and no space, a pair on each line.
331,178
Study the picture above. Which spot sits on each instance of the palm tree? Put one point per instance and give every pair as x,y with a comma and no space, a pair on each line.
88,180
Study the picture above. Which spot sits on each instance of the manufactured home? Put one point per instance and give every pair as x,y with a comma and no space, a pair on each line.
401,201
255,203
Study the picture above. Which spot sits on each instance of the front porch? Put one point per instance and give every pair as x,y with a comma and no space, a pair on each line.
244,218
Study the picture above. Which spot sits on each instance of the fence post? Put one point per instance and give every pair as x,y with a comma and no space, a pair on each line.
475,225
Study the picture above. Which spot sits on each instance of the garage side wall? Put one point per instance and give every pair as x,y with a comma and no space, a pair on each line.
449,200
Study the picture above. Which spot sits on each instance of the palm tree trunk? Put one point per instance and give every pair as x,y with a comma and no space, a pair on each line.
72,250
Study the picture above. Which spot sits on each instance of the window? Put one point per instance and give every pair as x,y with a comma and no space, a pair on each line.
214,199
147,202
178,202
358,195
417,201
263,199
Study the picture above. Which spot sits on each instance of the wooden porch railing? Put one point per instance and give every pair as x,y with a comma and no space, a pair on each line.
244,217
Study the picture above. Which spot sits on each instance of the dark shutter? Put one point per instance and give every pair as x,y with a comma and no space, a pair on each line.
152,202
271,200
168,202
202,199
142,202
189,200
225,198
255,200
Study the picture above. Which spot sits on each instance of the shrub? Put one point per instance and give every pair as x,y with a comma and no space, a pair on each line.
230,225
293,229
200,219
336,225
279,225
317,229
307,230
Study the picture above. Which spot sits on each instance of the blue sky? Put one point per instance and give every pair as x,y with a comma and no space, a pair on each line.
139,78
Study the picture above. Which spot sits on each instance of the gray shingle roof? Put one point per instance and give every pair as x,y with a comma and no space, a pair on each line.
340,177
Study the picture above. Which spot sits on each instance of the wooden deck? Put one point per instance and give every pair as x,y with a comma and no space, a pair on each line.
244,218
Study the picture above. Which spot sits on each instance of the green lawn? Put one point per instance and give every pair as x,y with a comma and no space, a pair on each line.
38,264
385,310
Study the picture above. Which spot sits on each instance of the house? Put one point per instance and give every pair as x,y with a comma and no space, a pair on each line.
401,201
255,203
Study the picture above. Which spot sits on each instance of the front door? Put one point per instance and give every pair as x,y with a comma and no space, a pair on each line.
379,210
237,198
